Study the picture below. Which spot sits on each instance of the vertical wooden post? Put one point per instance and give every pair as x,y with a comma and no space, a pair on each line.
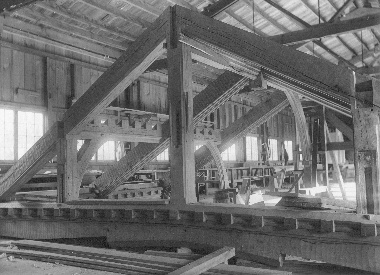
366,120
323,133
314,156
67,185
180,94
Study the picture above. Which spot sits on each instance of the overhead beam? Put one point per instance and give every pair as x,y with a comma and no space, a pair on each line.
218,7
207,101
369,70
327,29
13,5
346,145
233,43
304,24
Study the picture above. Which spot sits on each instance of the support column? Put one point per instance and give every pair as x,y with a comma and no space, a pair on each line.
180,95
365,113
67,187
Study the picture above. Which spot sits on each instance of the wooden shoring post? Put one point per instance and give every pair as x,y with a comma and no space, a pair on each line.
365,113
323,135
180,97
67,187
314,155
337,172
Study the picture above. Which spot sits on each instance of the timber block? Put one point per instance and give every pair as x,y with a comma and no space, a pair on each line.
327,226
368,230
3,212
129,214
227,219
291,223
62,213
199,217
15,212
258,221
174,215
162,215
45,213
78,213
29,212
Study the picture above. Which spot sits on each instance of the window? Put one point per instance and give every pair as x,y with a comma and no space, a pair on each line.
30,129
229,154
197,147
164,156
288,144
273,149
7,134
252,152
107,151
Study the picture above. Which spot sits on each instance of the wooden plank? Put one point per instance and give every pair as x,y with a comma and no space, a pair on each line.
327,29
212,97
180,97
205,263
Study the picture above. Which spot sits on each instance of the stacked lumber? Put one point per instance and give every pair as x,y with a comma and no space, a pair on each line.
131,263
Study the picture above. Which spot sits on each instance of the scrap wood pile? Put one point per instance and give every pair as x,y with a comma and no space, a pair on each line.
152,262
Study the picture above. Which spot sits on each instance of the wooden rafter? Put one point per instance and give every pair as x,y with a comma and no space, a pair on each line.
117,13
13,5
83,20
369,70
218,7
327,29
304,24
340,11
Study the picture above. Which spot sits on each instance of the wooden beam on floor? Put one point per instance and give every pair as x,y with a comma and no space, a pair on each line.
207,101
205,263
327,29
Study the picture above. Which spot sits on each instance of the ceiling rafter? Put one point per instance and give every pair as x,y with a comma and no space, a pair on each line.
117,13
13,5
218,7
144,7
323,21
340,11
304,24
91,23
79,32
277,25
